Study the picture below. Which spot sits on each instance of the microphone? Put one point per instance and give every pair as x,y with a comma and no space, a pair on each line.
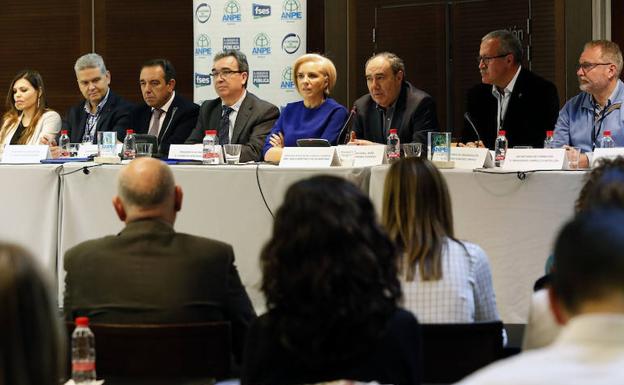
168,124
347,134
467,117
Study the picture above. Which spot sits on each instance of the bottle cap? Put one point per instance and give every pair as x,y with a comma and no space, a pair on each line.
63,132
82,321
393,130
501,133
607,133
129,131
211,132
549,133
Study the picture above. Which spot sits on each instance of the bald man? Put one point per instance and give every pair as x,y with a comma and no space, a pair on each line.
148,273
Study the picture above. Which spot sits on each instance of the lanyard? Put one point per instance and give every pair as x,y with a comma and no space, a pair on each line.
599,118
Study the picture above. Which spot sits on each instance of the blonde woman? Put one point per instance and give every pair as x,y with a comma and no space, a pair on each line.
28,120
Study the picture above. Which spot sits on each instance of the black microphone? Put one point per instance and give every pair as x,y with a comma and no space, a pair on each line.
168,124
467,117
347,134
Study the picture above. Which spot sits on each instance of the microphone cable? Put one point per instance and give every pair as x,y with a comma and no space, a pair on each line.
260,190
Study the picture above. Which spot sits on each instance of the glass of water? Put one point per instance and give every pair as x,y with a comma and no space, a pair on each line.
232,153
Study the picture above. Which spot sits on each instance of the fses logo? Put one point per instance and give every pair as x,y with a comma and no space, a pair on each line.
287,82
291,43
260,10
262,45
202,80
291,10
203,12
202,46
231,12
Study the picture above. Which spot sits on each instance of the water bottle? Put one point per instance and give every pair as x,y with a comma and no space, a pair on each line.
83,352
607,140
64,144
393,149
548,142
210,154
129,145
500,148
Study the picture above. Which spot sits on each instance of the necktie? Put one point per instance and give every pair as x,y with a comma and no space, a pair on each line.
153,130
224,126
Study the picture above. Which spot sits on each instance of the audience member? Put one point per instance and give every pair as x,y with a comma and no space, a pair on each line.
27,119
392,102
510,98
148,273
239,116
316,116
444,280
165,114
32,343
331,286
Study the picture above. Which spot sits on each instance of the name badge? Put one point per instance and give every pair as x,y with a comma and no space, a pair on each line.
534,159
361,156
608,153
469,158
309,157
25,153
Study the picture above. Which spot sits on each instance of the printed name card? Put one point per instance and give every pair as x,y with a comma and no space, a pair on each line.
608,153
308,157
470,158
87,149
361,156
534,159
17,154
191,152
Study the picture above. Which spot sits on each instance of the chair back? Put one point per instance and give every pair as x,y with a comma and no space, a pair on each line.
453,351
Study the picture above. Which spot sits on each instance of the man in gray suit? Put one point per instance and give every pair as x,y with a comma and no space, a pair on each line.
148,273
238,115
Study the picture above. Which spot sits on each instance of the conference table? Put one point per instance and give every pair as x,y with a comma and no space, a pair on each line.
513,217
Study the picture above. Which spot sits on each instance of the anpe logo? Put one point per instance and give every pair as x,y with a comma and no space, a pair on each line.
291,10
262,45
202,46
203,12
231,12
287,82
260,10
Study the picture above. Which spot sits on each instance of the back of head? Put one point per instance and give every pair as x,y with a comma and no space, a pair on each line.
31,346
509,43
589,259
417,214
329,270
604,186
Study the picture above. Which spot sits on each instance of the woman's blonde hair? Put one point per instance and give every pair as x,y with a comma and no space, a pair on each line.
327,68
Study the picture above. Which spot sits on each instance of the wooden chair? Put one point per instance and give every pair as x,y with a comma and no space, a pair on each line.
198,350
453,351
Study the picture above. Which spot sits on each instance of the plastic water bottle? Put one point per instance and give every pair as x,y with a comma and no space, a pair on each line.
210,154
548,142
64,144
129,145
393,149
607,141
83,352
500,148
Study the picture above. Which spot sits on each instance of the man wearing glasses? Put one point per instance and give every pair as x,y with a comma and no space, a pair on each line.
510,98
585,118
237,115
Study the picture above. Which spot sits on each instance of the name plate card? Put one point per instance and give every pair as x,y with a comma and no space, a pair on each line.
309,157
534,159
361,156
17,154
87,149
469,158
191,152
608,153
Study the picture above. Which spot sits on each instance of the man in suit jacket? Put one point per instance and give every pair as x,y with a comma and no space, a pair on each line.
165,114
510,98
237,115
149,273
392,102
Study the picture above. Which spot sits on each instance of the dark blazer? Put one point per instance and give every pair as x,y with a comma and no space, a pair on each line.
532,110
414,116
179,121
115,116
148,273
253,123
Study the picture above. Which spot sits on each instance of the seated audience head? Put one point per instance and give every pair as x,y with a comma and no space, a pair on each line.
604,186
230,73
93,78
589,265
314,76
385,73
418,216
147,190
500,55
329,270
599,68
26,97
31,340
157,81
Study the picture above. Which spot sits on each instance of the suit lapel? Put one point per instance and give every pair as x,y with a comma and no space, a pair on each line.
241,119
516,99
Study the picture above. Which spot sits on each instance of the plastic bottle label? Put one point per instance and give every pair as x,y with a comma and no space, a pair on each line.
83,366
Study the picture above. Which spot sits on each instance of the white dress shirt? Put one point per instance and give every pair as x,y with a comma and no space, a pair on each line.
503,99
235,107
165,108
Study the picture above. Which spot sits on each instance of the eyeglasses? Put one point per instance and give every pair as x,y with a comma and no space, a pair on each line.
586,67
486,59
224,73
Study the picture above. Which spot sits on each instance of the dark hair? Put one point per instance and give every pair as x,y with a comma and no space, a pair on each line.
241,59
589,258
604,185
329,271
166,65
396,63
31,340
12,113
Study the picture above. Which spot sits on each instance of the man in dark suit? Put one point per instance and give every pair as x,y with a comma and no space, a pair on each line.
237,115
149,273
510,98
392,102
165,114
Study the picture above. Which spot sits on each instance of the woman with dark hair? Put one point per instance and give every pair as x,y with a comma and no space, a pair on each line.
444,280
31,341
331,287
